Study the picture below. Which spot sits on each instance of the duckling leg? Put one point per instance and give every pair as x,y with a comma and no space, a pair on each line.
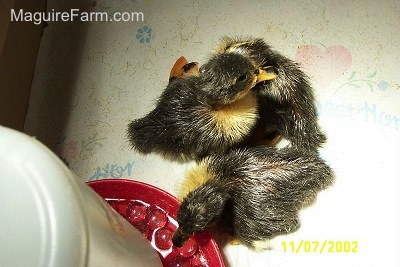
177,69
183,68
261,245
233,240
191,68
264,137
222,235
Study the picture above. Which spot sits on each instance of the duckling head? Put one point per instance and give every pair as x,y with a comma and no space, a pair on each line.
291,79
228,77
199,208
253,48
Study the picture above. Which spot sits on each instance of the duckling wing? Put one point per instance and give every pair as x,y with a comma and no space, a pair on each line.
268,188
167,128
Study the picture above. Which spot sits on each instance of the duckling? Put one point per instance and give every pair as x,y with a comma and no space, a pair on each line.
202,114
255,193
286,104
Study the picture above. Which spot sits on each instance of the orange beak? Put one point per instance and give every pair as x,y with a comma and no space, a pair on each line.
267,73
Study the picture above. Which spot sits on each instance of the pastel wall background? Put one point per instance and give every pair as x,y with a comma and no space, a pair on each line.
92,78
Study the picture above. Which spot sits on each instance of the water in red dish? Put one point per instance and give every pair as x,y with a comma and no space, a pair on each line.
158,227
163,238
136,211
188,249
156,219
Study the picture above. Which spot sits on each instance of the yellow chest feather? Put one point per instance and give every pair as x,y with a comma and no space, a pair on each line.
237,119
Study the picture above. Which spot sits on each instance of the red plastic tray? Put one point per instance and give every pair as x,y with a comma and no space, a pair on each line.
113,190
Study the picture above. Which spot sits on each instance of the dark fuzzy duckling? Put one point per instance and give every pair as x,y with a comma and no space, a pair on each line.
199,115
254,193
287,102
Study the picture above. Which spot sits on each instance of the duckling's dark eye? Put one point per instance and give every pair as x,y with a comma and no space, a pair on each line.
242,78
202,70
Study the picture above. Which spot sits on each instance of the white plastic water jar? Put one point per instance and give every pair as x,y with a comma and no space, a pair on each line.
51,218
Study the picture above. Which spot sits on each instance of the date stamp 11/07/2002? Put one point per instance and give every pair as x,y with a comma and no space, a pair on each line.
320,246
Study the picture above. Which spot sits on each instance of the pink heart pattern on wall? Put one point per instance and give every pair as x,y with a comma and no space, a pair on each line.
324,65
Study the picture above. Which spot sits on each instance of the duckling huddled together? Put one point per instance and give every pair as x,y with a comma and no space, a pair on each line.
227,116
204,114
